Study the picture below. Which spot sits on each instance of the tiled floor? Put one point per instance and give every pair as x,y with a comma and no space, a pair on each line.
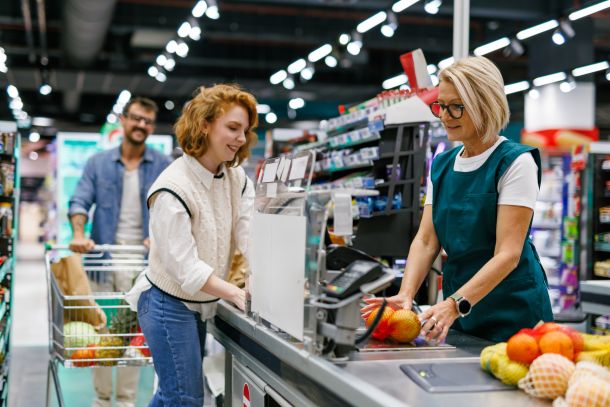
29,343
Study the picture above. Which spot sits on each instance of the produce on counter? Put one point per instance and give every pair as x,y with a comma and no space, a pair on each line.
87,353
548,376
494,360
402,326
110,347
589,386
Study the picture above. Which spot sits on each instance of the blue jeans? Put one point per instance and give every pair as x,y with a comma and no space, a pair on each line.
176,337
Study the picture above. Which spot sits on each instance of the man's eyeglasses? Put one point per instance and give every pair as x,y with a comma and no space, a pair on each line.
137,118
455,110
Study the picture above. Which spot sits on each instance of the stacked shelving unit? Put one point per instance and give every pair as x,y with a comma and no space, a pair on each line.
9,203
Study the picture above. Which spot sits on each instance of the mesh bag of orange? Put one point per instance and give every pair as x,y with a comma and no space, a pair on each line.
589,386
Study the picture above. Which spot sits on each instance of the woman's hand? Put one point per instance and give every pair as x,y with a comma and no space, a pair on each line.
399,301
437,320
239,298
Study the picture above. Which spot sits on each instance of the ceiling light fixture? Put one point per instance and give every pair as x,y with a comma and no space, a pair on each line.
331,61
402,5
212,10
169,64
171,46
608,75
278,77
433,6
195,33
307,73
552,78
537,29
296,103
169,105
45,89
271,118
563,33
491,47
297,66
182,50
589,10
184,30
446,62
124,97
390,27
263,109
288,83
199,8
371,22
514,49
12,91
153,71
344,39
161,77
34,137
587,69
395,81
319,53
534,93
516,87
568,85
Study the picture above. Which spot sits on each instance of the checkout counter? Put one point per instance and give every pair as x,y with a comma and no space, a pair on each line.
301,344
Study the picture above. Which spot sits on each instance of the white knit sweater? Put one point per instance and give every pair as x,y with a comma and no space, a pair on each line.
212,224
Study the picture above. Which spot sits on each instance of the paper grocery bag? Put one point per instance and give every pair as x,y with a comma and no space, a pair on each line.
237,272
72,280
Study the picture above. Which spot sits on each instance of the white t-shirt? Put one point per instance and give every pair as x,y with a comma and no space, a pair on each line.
518,186
129,228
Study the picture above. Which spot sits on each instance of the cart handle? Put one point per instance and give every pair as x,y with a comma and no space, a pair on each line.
102,248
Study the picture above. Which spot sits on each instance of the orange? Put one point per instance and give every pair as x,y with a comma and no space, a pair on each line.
577,341
382,331
547,327
404,326
557,342
523,348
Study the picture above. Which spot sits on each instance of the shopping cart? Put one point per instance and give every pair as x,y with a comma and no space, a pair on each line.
98,329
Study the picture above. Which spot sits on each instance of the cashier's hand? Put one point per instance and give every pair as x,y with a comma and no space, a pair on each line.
239,298
81,245
437,320
396,302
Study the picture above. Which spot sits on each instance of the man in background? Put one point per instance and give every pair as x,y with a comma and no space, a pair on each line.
117,181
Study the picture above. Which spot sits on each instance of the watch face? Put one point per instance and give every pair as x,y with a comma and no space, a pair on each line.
464,306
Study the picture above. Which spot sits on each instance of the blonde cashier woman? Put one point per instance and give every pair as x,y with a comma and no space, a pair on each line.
198,215
479,207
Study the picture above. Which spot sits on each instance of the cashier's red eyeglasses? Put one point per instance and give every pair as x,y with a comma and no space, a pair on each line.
455,110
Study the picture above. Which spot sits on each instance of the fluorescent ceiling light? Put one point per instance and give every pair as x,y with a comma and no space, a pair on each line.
124,97
320,53
403,5
371,22
212,12
446,62
554,77
184,30
492,46
587,69
288,83
271,118
330,61
516,87
537,29
297,66
395,81
12,91
161,59
296,103
344,39
432,68
589,10
199,8
278,77
153,71
263,109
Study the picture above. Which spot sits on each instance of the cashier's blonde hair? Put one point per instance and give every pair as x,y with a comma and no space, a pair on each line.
207,105
479,83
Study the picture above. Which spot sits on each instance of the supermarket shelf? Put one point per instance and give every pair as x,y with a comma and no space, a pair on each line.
351,167
595,297
602,247
548,225
5,268
400,154
397,183
354,143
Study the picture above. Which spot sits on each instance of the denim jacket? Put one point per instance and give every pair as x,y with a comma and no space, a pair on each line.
102,184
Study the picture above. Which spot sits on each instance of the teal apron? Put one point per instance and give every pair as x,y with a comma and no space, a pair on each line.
464,213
